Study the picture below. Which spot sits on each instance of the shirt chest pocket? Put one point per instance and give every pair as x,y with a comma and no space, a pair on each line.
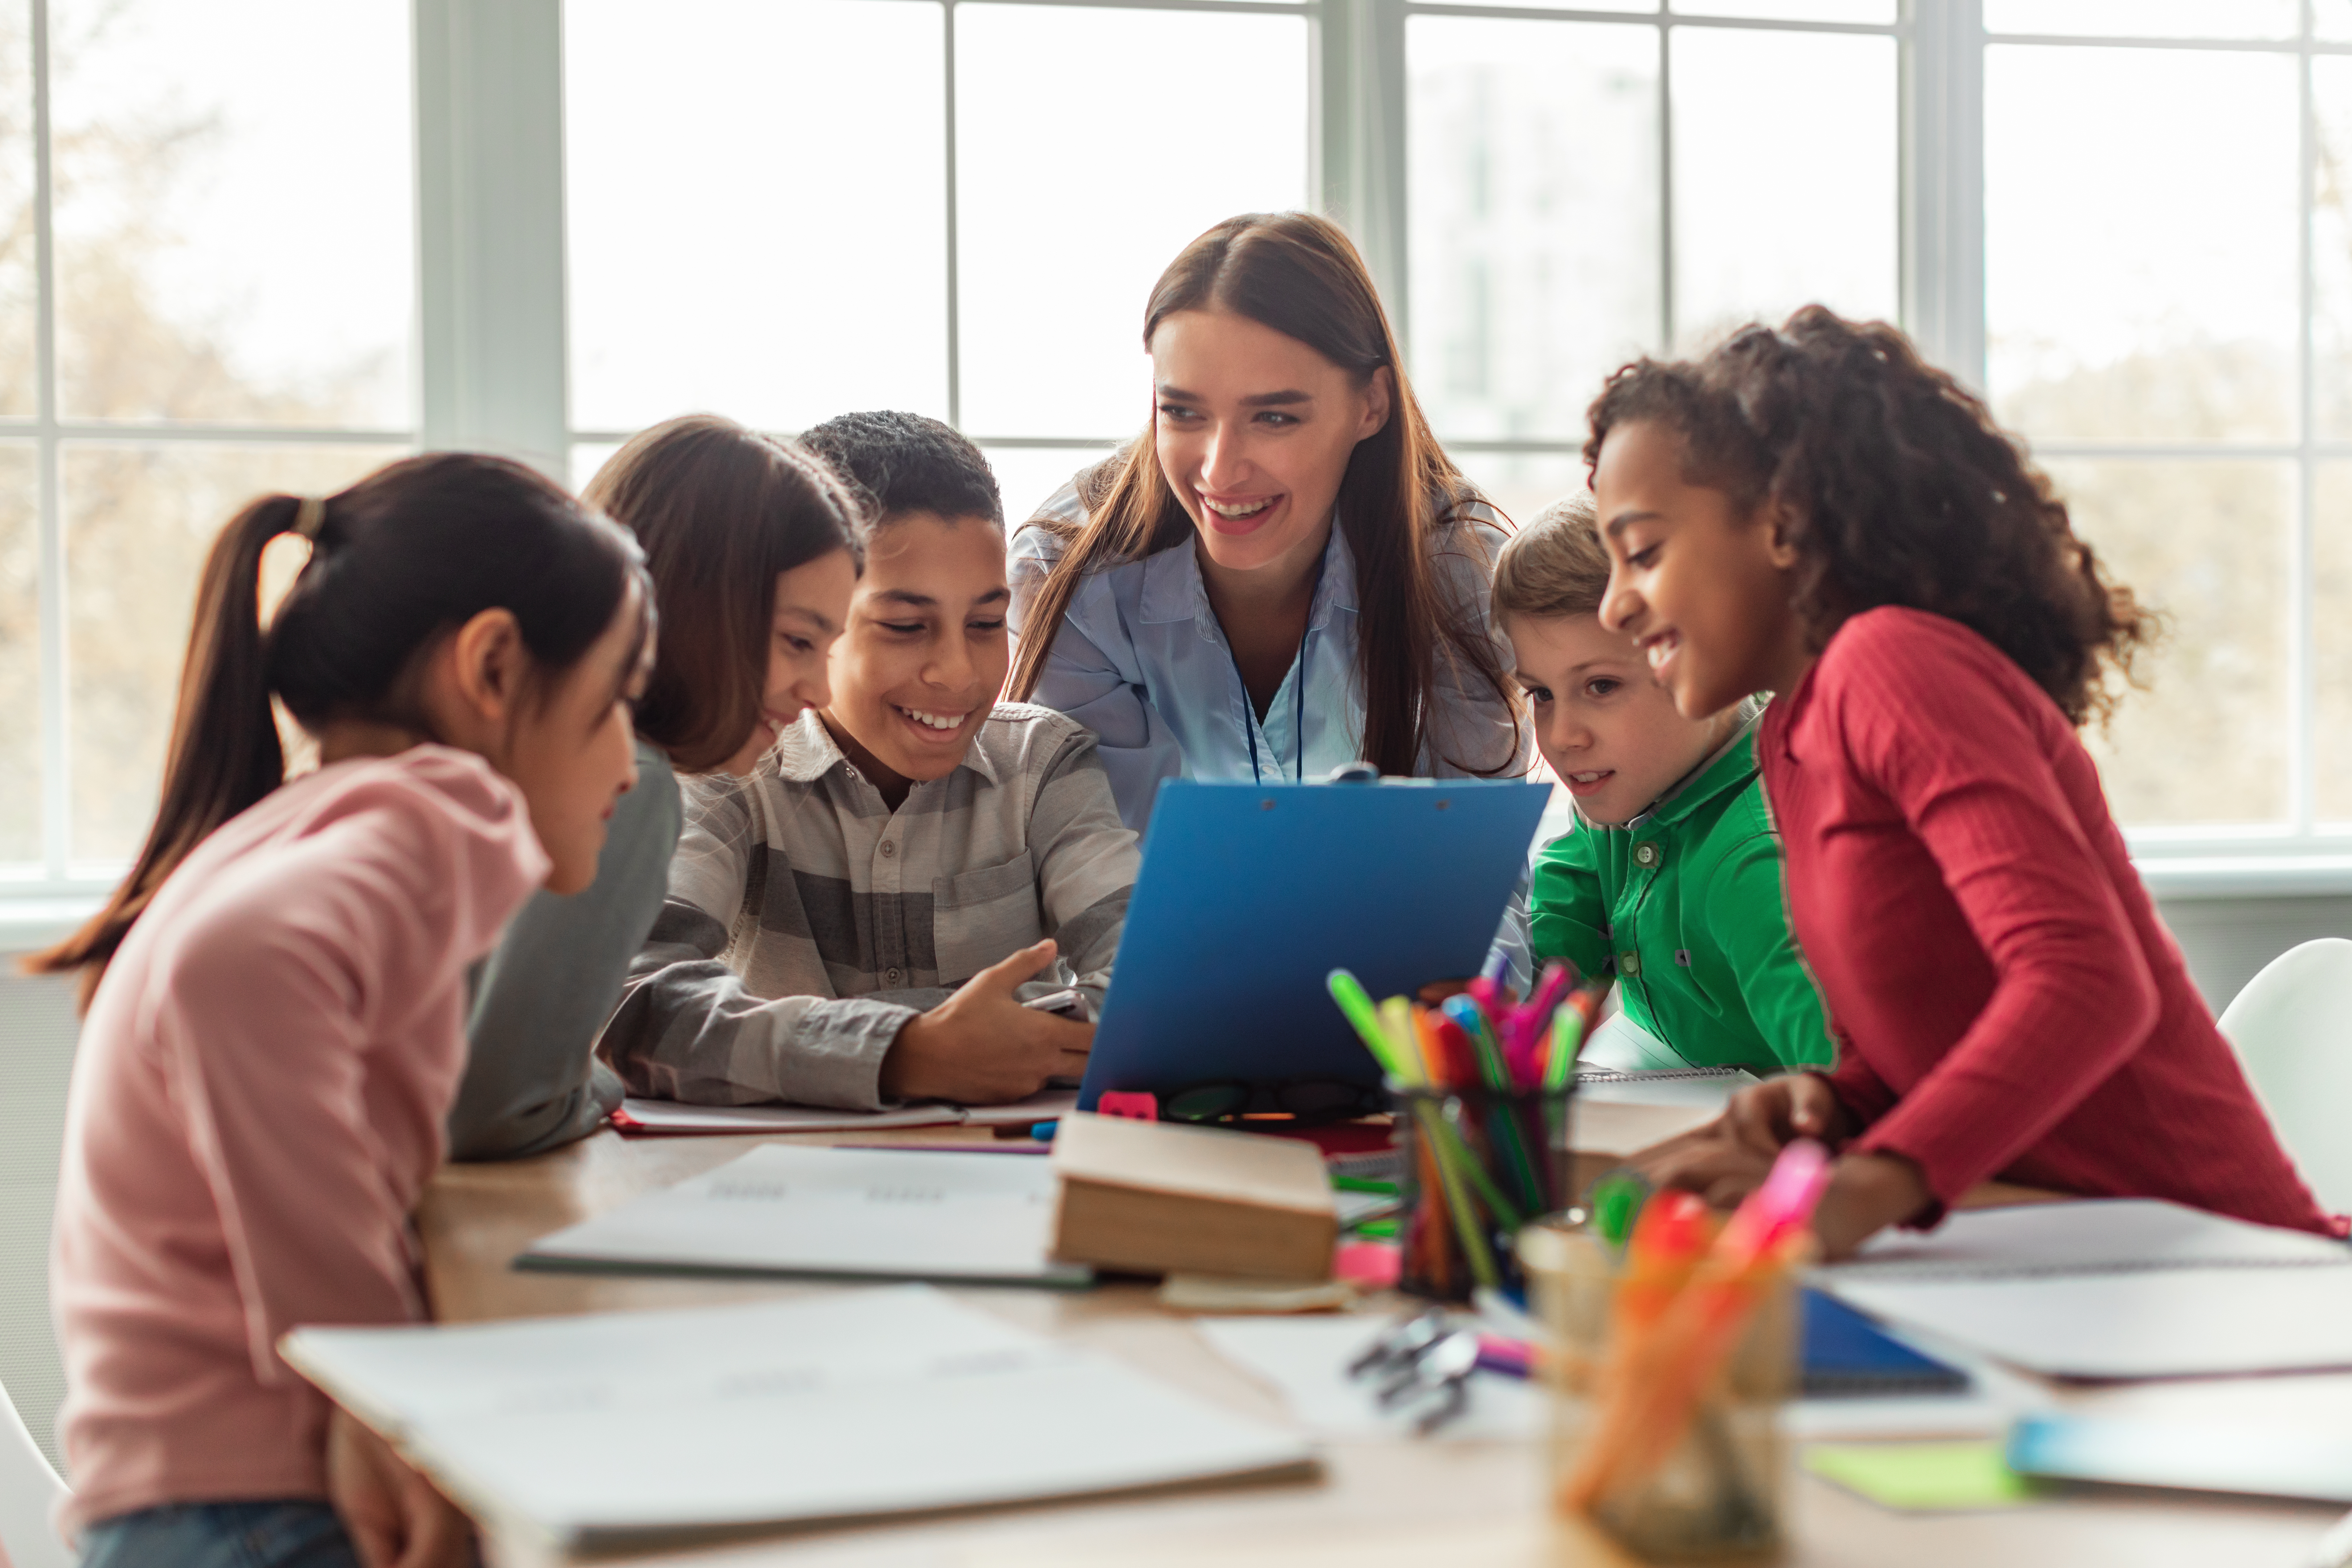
983,917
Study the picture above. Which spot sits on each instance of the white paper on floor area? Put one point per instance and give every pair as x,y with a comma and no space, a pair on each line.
1304,1360
787,1209
842,1405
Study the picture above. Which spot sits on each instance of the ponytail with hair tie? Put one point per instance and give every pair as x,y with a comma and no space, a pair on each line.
422,546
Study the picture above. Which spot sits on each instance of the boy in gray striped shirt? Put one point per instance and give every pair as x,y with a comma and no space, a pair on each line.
859,920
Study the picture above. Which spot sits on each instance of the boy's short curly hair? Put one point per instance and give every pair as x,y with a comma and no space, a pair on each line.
907,462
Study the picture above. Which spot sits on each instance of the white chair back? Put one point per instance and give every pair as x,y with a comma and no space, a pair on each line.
29,1494
2292,1026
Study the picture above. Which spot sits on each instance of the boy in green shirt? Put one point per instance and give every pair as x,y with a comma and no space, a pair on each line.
1673,874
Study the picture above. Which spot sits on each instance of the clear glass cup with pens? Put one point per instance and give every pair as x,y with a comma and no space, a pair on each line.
1481,1089
1672,1342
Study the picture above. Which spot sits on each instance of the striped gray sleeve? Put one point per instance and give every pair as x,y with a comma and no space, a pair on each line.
688,1029
1087,863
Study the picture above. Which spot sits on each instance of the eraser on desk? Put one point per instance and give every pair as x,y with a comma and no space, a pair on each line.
1374,1265
1134,1105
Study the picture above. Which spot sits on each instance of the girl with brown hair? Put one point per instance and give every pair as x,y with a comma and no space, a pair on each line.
1284,573
1812,510
754,546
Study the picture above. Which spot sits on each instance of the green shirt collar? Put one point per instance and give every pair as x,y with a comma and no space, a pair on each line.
1726,768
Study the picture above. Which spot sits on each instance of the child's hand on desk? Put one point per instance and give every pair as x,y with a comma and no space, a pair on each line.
982,1046
1766,1115
392,1514
1729,1157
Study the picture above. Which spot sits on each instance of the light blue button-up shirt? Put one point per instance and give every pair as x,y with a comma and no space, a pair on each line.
1141,661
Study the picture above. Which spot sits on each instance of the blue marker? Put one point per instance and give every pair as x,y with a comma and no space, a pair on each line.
1043,1131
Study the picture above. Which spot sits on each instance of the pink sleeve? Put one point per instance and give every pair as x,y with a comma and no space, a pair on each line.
275,1007
2072,996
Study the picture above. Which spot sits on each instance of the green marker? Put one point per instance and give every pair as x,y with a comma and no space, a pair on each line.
1357,1003
1567,1039
1617,1200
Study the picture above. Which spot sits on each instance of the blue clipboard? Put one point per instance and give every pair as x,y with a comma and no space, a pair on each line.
1250,894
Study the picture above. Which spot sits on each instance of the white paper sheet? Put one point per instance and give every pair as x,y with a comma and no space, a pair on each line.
666,1116
795,1209
859,1402
2182,1323
2085,1237
2114,1289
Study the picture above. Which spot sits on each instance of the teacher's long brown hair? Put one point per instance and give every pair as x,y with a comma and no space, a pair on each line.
1300,275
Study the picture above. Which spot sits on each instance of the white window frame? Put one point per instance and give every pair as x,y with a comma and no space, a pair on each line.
490,310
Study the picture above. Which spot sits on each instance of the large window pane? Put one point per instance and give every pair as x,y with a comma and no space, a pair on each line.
1092,145
2331,641
2140,265
2331,247
2144,18
17,289
1784,176
234,210
1522,484
1534,218
757,209
20,658
2205,542
1879,12
1027,477
139,520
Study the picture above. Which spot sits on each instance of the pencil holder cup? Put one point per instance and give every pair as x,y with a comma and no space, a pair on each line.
1710,1487
1479,1163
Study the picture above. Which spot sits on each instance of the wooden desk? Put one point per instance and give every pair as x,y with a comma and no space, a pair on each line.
1379,1503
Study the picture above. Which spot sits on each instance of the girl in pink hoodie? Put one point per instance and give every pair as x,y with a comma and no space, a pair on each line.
275,994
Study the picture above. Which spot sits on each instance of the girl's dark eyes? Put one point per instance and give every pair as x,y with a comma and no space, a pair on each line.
904,629
798,644
1643,559
1174,411
1603,687
1538,693
1277,419
994,625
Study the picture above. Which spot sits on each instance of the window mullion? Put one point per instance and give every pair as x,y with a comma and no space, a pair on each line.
1942,184
490,230
1357,124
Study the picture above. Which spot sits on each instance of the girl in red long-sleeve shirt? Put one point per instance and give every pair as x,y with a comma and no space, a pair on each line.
1814,511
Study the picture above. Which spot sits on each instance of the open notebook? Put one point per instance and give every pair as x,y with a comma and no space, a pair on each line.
787,1209
2114,1289
622,1428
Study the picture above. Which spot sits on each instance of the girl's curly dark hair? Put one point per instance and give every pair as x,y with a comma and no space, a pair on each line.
1901,489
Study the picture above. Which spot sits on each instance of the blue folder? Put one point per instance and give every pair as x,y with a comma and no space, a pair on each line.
1251,893
1846,1355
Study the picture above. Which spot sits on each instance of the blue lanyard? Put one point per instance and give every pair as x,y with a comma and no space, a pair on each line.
1299,676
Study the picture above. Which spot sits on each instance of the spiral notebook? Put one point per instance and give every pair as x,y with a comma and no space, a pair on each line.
2113,1290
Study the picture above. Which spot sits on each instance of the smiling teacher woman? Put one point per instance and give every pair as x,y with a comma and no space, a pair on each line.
1284,572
